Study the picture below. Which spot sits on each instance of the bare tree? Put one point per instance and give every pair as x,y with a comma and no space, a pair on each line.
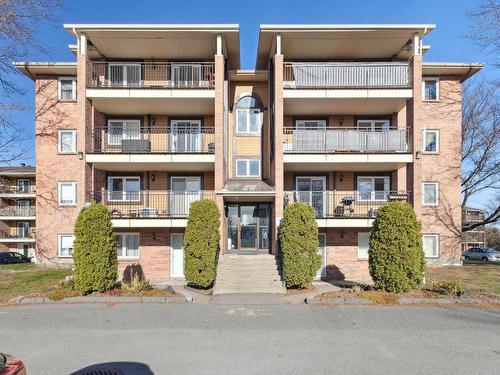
481,148
486,29
20,21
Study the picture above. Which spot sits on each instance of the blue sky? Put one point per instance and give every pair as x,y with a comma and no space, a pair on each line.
447,40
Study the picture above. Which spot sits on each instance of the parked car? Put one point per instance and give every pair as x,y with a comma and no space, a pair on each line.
10,365
486,254
11,257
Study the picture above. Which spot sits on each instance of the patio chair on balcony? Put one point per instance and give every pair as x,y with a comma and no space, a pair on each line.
347,203
148,212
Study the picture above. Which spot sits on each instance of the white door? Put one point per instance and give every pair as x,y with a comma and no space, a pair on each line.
177,255
185,136
322,251
184,191
312,190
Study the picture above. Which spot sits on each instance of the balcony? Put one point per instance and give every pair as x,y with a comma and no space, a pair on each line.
21,234
345,208
175,88
15,213
20,191
345,75
149,208
160,148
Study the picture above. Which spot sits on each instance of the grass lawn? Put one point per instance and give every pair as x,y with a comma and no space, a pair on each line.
477,277
28,279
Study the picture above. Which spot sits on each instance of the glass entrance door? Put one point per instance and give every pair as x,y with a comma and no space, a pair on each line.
248,227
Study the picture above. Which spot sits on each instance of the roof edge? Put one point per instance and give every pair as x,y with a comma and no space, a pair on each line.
230,27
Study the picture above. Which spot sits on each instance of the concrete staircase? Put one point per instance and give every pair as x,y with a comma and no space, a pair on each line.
248,274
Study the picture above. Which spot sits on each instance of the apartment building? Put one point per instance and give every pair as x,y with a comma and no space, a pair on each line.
152,117
17,209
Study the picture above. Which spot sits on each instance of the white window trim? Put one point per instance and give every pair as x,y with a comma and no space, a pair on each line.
362,256
138,250
247,168
435,79
59,238
424,131
438,244
372,197
59,143
247,130
385,127
125,82
300,123
123,121
59,184
437,193
124,192
73,88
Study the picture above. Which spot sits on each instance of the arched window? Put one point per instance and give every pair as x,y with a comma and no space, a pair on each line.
249,115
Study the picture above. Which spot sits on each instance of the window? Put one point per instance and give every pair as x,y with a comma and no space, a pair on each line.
431,245
124,189
249,115
67,88
373,188
65,246
67,193
119,130
247,168
67,141
24,185
124,74
363,245
430,141
312,124
373,125
185,135
430,88
430,193
128,245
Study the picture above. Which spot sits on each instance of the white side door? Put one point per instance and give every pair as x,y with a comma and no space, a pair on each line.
177,255
322,251
184,191
185,136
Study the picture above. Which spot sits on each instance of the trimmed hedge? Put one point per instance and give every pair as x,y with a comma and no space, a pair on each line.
94,250
201,241
299,245
396,258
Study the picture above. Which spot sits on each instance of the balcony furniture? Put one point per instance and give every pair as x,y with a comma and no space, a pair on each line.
347,203
393,196
132,213
211,148
136,145
115,213
372,212
148,212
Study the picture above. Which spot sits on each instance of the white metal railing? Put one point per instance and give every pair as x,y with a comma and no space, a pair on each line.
17,211
18,189
345,74
326,140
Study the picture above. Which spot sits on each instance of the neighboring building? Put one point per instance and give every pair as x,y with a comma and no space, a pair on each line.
17,209
475,237
153,117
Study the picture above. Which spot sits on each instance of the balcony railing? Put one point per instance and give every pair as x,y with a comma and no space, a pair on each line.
18,233
15,189
149,204
154,75
17,211
345,204
154,140
321,75
341,139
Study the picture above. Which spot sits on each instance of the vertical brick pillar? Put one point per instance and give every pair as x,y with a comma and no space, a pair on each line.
219,142
278,145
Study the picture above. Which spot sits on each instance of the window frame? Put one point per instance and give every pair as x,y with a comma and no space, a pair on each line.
247,160
123,122
385,127
424,132
247,131
73,88
436,80
438,250
372,195
59,243
361,256
124,192
299,124
436,184
124,248
59,141
59,185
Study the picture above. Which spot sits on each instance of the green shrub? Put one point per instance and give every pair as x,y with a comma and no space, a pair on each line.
299,245
94,250
396,259
450,286
201,241
136,285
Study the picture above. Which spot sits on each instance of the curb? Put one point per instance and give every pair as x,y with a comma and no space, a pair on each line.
338,301
99,299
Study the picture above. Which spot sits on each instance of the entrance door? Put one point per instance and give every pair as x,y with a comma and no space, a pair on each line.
23,229
312,190
322,251
249,224
23,248
185,136
177,255
23,207
248,227
23,185
184,191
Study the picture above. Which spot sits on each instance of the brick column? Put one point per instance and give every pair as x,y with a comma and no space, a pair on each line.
219,142
278,145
